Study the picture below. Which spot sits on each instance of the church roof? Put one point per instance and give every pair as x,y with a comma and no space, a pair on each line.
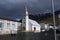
33,22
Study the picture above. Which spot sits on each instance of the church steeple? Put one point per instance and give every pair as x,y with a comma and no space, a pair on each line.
25,22
27,18
26,11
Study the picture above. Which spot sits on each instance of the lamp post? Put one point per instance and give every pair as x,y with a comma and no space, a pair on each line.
54,18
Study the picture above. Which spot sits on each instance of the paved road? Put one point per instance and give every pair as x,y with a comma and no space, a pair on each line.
29,36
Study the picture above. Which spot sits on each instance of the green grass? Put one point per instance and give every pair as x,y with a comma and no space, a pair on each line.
49,20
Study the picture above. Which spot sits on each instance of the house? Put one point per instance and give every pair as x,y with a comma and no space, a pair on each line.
29,25
8,25
44,26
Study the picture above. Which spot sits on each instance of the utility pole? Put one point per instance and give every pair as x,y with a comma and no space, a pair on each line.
54,19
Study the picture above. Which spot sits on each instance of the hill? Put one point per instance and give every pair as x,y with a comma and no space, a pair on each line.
45,18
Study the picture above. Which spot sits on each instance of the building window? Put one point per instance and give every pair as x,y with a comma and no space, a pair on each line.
8,24
1,24
13,25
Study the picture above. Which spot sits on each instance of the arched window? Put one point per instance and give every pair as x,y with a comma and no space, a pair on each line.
34,28
24,28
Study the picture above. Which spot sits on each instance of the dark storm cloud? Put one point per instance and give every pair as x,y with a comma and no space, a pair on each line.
41,6
15,8
11,8
57,4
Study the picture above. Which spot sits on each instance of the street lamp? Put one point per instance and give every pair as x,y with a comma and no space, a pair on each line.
54,19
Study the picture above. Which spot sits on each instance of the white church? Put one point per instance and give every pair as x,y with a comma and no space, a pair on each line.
8,25
29,25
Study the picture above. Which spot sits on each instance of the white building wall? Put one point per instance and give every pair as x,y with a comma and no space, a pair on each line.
38,29
14,27
27,23
1,28
30,26
19,26
5,26
11,28
46,26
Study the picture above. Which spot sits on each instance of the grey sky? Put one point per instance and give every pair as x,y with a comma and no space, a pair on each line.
15,8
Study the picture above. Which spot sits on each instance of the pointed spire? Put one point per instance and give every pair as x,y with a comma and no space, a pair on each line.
26,11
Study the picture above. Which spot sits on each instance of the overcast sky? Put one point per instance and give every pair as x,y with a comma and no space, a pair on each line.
15,8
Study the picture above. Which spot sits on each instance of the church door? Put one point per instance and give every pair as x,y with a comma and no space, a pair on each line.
34,28
23,28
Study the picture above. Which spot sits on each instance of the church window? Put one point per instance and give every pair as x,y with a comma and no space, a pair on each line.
24,22
24,17
23,28
1,24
